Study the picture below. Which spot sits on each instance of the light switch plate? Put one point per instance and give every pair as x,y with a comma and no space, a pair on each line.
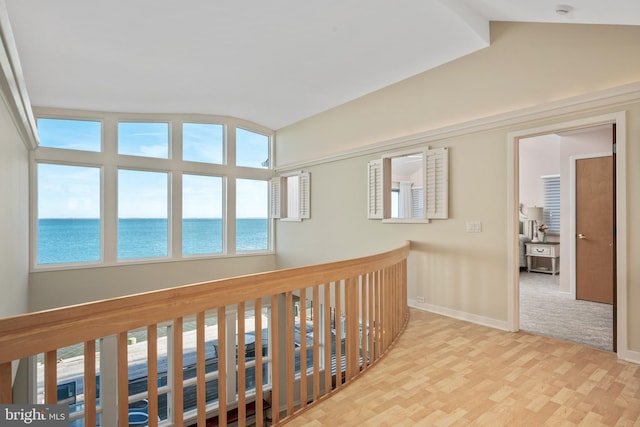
474,226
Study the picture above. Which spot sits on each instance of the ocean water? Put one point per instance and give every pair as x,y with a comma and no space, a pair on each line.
78,240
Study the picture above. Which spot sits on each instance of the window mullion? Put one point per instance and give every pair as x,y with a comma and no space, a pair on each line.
175,214
229,215
110,190
230,145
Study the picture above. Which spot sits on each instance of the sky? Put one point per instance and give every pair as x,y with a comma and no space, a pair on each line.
66,191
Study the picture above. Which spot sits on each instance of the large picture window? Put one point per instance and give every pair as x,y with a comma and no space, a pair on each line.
68,214
252,219
252,149
70,134
203,142
201,215
144,139
142,214
116,188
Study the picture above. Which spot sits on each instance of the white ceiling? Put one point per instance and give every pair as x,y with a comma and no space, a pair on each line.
271,62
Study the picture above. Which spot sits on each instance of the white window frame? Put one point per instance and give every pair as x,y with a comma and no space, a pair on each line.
110,161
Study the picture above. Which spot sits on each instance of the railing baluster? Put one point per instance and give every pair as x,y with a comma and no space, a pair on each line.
6,379
338,310
123,380
328,342
152,374
396,313
316,342
373,322
357,324
90,383
392,304
275,360
222,367
242,369
51,377
257,309
354,321
364,320
381,284
396,291
302,314
290,353
178,375
201,394
379,313
405,295
350,317
385,309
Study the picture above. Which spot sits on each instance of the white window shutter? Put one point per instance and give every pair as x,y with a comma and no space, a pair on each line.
275,197
375,196
437,183
417,202
304,195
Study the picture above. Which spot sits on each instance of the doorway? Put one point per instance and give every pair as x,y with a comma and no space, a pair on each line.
573,131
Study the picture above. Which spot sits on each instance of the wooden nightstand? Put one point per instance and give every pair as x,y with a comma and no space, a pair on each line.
543,250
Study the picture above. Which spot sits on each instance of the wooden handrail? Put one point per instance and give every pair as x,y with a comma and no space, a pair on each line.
371,291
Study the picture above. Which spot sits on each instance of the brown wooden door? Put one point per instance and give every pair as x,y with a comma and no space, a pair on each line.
595,229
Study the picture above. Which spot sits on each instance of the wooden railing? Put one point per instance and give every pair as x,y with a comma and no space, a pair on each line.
314,329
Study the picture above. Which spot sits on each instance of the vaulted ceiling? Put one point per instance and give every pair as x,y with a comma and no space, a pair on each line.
272,62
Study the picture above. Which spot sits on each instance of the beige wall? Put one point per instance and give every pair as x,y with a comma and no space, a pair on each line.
14,218
49,289
526,65
460,273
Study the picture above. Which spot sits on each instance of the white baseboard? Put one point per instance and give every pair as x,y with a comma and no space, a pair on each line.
460,315
629,356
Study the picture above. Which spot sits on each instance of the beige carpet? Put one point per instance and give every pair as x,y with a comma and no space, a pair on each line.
546,311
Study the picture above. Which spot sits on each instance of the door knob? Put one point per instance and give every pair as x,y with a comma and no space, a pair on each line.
582,236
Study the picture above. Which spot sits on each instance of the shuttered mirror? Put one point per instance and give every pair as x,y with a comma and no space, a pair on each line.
409,186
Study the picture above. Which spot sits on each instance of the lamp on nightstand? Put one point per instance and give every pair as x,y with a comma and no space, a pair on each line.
534,215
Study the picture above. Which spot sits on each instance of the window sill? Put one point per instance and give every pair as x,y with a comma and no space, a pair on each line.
144,261
405,221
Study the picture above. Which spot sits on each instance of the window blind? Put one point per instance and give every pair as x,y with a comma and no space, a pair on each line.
551,197
417,202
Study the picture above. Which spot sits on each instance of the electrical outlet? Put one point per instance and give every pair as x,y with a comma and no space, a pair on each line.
420,299
474,226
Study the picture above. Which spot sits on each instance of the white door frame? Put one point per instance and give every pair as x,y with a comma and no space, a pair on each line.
572,213
619,119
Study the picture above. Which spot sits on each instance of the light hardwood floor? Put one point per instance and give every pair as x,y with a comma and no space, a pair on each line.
446,372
